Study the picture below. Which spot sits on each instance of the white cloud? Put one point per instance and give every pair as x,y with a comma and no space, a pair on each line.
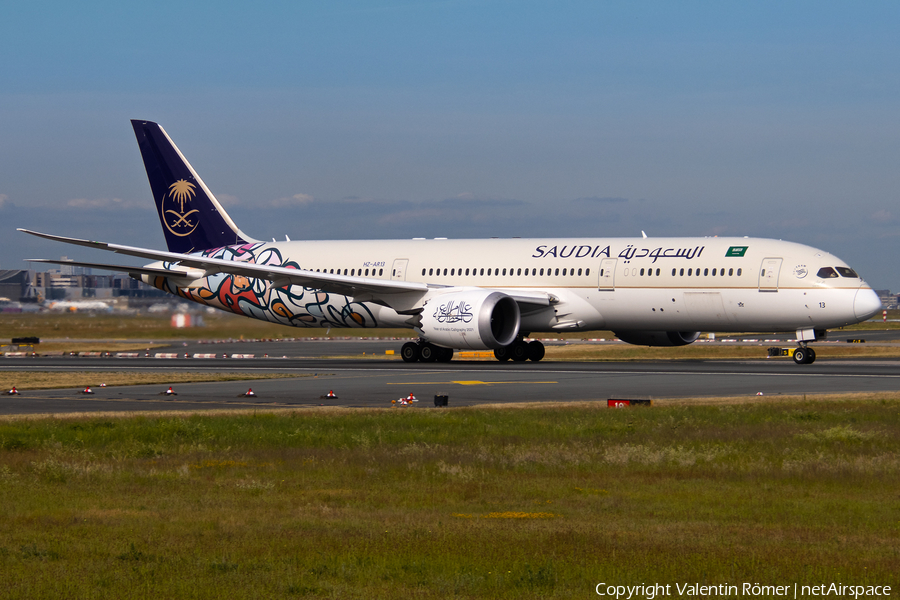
295,200
227,200
883,216
104,203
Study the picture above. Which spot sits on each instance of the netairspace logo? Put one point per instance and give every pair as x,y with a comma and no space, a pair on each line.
751,590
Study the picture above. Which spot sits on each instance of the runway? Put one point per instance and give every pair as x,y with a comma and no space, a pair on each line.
376,381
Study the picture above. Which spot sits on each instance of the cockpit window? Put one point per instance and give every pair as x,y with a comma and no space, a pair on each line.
847,272
827,273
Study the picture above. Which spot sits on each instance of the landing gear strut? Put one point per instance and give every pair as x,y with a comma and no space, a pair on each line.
423,351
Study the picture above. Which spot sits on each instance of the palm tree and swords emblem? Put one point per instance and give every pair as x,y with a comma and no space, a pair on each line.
180,192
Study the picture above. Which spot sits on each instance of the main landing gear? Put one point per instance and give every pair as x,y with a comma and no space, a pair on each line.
520,351
804,355
425,352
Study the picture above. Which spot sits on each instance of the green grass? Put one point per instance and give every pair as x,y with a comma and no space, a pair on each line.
540,501
47,380
219,325
223,325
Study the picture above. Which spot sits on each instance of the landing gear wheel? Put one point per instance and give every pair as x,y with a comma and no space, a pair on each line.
444,355
428,353
519,351
502,354
409,352
535,351
804,356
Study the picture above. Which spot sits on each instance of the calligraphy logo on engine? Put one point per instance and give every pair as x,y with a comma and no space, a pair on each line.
453,312
177,215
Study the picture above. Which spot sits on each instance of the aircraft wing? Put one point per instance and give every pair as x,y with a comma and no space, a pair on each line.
199,267
403,296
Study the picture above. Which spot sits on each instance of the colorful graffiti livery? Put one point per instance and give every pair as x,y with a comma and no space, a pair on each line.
260,299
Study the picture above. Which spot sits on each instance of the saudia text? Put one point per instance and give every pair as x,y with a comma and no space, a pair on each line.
544,251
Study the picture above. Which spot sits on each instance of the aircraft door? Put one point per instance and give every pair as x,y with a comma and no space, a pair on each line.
607,275
768,274
398,271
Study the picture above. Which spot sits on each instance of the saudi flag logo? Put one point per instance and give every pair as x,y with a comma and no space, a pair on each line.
736,251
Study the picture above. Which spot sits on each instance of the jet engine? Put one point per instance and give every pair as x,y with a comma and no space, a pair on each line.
658,338
475,319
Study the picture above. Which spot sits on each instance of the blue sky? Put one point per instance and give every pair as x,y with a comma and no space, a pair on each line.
460,119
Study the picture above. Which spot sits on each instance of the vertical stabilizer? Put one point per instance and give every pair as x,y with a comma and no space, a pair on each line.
191,217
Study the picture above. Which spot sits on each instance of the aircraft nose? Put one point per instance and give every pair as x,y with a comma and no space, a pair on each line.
866,304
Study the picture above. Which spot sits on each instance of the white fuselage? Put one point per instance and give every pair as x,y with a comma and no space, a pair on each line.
663,284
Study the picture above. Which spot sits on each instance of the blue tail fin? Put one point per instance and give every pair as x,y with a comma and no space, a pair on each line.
191,217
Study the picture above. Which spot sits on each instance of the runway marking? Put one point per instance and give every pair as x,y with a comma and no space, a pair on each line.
466,382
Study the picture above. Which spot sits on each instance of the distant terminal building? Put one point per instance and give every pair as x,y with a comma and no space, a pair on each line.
15,285
70,283
889,300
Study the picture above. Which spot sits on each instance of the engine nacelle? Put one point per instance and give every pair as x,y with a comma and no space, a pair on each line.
474,319
658,338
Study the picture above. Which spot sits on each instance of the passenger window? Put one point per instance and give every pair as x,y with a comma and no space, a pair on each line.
445,272
657,272
423,272
730,272
467,271
827,273
482,271
739,272
353,272
601,272
453,271
642,271
367,272
705,272
489,272
690,271
519,272
564,272
380,272
579,272
504,271
557,272
714,272
682,272
587,271
846,272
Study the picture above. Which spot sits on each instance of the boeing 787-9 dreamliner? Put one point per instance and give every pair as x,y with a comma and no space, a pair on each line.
491,293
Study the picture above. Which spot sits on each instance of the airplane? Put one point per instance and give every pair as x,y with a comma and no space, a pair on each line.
488,294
